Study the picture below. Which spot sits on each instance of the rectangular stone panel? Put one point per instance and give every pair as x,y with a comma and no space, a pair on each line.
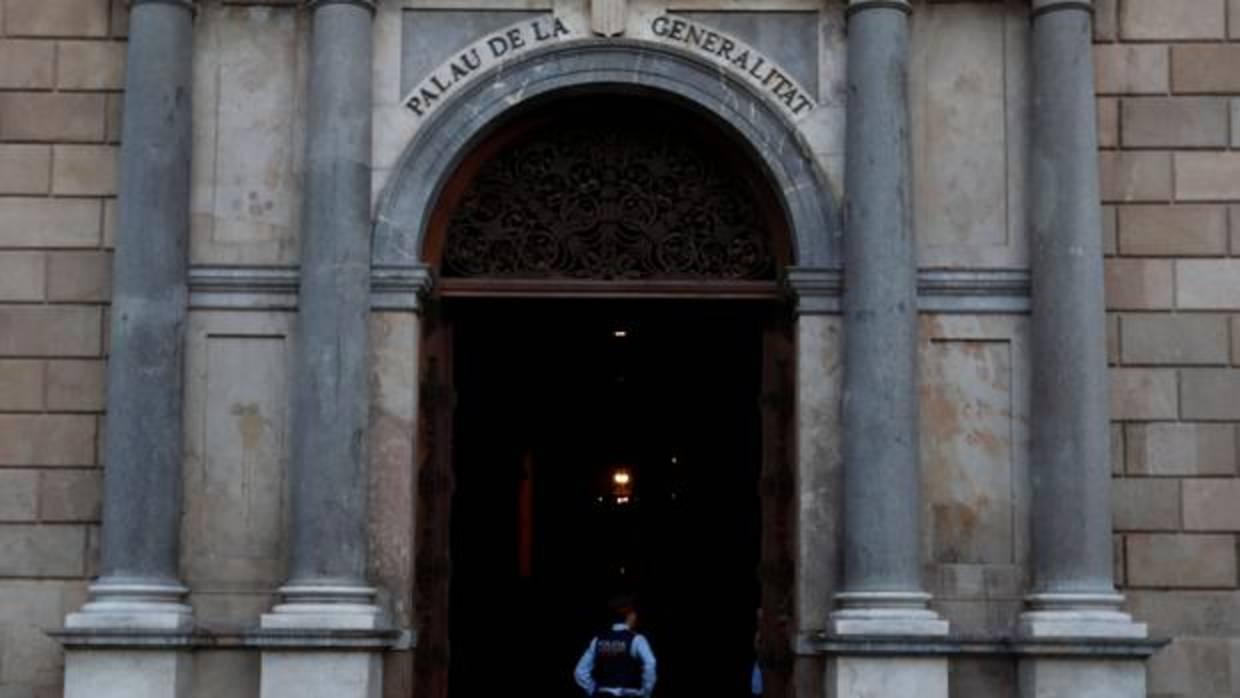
52,116
22,276
1182,230
1212,504
1181,561
1192,666
1145,20
25,169
1126,69
1166,339
56,18
1146,504
76,385
28,64
50,330
1208,284
1143,394
90,65
1205,68
1135,176
1139,284
1180,448
1207,176
1210,393
21,385
84,170
19,495
47,439
67,495
1187,612
37,222
1175,122
79,276
42,550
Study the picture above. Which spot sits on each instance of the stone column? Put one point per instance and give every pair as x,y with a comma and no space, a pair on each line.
327,588
138,592
1073,592
882,590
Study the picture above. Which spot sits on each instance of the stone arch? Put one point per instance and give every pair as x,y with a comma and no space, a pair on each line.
449,133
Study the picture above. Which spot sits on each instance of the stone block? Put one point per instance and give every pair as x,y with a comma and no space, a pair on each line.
1233,30
70,495
1208,284
84,170
1235,340
1235,121
56,18
30,222
1192,666
1172,613
1212,504
25,169
19,496
1110,231
1131,69
1180,448
887,677
22,276
1210,393
90,65
1108,122
321,674
230,673
75,386
1146,504
52,116
1135,176
1181,560
47,439
28,64
21,385
28,550
79,276
1174,339
1143,394
1112,339
120,19
114,118
1139,284
1119,449
1175,122
50,330
1056,677
1168,21
1207,176
1205,68
126,674
1183,231
1106,20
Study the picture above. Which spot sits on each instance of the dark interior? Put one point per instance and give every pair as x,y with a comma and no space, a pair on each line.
553,399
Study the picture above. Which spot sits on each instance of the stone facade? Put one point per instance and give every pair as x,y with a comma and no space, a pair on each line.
1168,107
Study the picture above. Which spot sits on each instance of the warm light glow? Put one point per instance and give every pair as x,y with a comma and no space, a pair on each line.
620,334
622,477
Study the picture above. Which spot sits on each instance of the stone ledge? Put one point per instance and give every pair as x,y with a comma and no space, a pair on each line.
1112,648
334,640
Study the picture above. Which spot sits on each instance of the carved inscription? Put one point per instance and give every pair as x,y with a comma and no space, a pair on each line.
756,68
482,54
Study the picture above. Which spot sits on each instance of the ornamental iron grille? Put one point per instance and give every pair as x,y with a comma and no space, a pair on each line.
609,200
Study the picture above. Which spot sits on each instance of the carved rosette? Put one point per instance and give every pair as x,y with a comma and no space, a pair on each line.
608,201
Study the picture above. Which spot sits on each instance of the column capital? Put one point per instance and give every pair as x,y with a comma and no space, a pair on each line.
855,6
1041,7
364,4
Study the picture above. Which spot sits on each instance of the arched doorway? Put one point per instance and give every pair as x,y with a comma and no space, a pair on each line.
606,402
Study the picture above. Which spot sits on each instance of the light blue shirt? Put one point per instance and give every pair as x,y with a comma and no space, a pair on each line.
641,650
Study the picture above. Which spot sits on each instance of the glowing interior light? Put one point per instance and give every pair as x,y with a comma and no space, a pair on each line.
620,334
622,477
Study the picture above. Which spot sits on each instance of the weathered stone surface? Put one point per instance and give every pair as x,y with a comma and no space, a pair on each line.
19,491
982,677
1146,504
1180,448
29,222
1057,677
1108,122
1135,176
22,276
1192,666
1106,20
1235,122
1235,340
1212,505
233,674
52,116
1210,393
1187,612
47,439
1233,30
1205,68
1139,284
1174,339
1175,122
1208,284
1181,561
90,65
49,331
70,495
1131,69
1159,19
79,276
42,550
1207,176
75,386
1143,394
21,385
1185,230
25,169
84,170
57,17
28,64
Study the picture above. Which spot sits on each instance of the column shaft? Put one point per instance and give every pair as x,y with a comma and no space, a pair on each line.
331,394
142,474
1071,437
880,410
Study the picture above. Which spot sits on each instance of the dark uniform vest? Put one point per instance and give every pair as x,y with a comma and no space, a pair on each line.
614,663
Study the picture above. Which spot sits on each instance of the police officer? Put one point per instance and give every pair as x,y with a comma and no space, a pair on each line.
618,662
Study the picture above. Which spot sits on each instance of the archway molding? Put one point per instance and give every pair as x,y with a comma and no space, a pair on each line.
605,66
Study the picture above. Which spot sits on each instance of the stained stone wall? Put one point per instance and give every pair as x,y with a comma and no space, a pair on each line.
1169,125
1169,122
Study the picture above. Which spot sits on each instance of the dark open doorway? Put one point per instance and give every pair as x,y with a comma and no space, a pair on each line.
554,400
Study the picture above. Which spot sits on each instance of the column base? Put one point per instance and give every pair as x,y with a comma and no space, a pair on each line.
886,613
133,605
1080,617
323,672
1067,616
1072,677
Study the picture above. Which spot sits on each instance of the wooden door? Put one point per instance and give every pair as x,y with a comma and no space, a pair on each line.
433,561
